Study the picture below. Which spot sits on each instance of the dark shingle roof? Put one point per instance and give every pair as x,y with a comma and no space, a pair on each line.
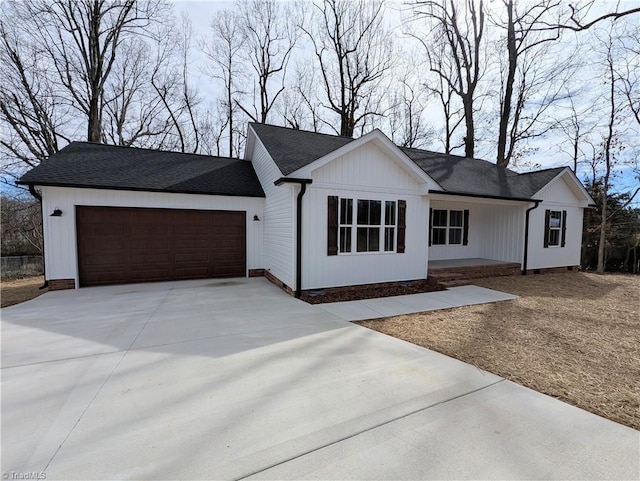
293,149
85,164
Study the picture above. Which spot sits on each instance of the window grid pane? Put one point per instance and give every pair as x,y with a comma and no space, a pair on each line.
455,235
389,239
345,239
390,213
439,236
455,218
439,218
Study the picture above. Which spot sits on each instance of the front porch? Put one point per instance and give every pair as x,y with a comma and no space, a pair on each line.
460,272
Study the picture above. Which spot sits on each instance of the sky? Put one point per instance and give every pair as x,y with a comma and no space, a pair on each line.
547,154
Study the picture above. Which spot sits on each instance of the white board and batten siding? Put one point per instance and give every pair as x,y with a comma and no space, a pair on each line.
60,232
557,196
365,173
496,231
279,218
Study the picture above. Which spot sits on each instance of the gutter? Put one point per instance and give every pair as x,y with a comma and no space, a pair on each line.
37,195
481,196
303,188
526,236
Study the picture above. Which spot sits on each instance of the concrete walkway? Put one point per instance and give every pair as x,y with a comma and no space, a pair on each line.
235,380
428,301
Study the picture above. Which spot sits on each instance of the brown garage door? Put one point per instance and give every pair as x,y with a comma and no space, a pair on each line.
121,244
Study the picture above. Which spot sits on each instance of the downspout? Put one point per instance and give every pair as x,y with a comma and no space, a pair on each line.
35,193
526,236
303,188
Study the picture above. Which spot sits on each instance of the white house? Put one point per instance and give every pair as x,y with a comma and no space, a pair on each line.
307,210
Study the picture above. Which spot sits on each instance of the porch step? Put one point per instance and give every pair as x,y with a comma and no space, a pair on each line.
460,276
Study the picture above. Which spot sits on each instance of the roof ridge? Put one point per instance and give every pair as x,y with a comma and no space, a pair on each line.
128,147
305,130
542,170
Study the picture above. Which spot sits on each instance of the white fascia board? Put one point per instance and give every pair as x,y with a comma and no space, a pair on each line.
477,200
249,144
383,141
577,186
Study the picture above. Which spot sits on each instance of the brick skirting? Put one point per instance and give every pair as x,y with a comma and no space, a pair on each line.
60,284
553,270
277,282
256,272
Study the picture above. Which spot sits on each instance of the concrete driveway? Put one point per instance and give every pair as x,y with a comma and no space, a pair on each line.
235,379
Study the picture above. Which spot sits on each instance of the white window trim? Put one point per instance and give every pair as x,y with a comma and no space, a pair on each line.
354,226
447,228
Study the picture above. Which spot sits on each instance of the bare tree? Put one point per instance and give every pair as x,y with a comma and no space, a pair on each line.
270,38
21,226
576,16
454,49
31,113
578,128
223,49
300,107
81,39
532,74
354,53
406,123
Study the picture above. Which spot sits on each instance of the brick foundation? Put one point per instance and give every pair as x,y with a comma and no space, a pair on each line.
459,276
553,270
256,272
60,284
273,279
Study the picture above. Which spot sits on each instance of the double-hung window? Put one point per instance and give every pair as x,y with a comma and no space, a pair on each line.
449,227
365,225
555,228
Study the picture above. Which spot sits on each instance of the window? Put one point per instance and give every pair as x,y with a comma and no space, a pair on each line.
449,227
555,228
379,225
369,219
346,222
389,222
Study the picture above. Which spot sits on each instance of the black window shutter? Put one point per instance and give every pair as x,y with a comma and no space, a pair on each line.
332,225
564,228
547,216
402,225
430,225
465,228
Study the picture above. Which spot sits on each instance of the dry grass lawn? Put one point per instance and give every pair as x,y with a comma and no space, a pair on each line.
574,336
16,291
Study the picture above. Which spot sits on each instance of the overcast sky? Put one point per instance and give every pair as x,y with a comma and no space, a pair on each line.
548,153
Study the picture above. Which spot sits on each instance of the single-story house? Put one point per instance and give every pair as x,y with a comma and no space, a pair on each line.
307,210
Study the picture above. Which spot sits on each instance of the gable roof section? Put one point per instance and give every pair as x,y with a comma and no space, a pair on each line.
572,182
86,164
381,141
293,149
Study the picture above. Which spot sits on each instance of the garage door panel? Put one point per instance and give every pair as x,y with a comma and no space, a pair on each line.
122,244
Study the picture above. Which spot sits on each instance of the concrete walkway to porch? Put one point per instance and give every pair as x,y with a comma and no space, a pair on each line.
408,304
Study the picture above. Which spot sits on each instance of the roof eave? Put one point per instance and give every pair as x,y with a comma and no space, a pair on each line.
134,189
484,196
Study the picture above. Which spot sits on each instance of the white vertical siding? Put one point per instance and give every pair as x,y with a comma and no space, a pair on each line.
278,221
557,196
496,231
368,168
364,173
60,232
502,232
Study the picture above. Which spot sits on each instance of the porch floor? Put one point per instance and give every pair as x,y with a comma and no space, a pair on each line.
468,262
460,272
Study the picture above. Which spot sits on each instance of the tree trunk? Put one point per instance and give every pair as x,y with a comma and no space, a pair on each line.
505,113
